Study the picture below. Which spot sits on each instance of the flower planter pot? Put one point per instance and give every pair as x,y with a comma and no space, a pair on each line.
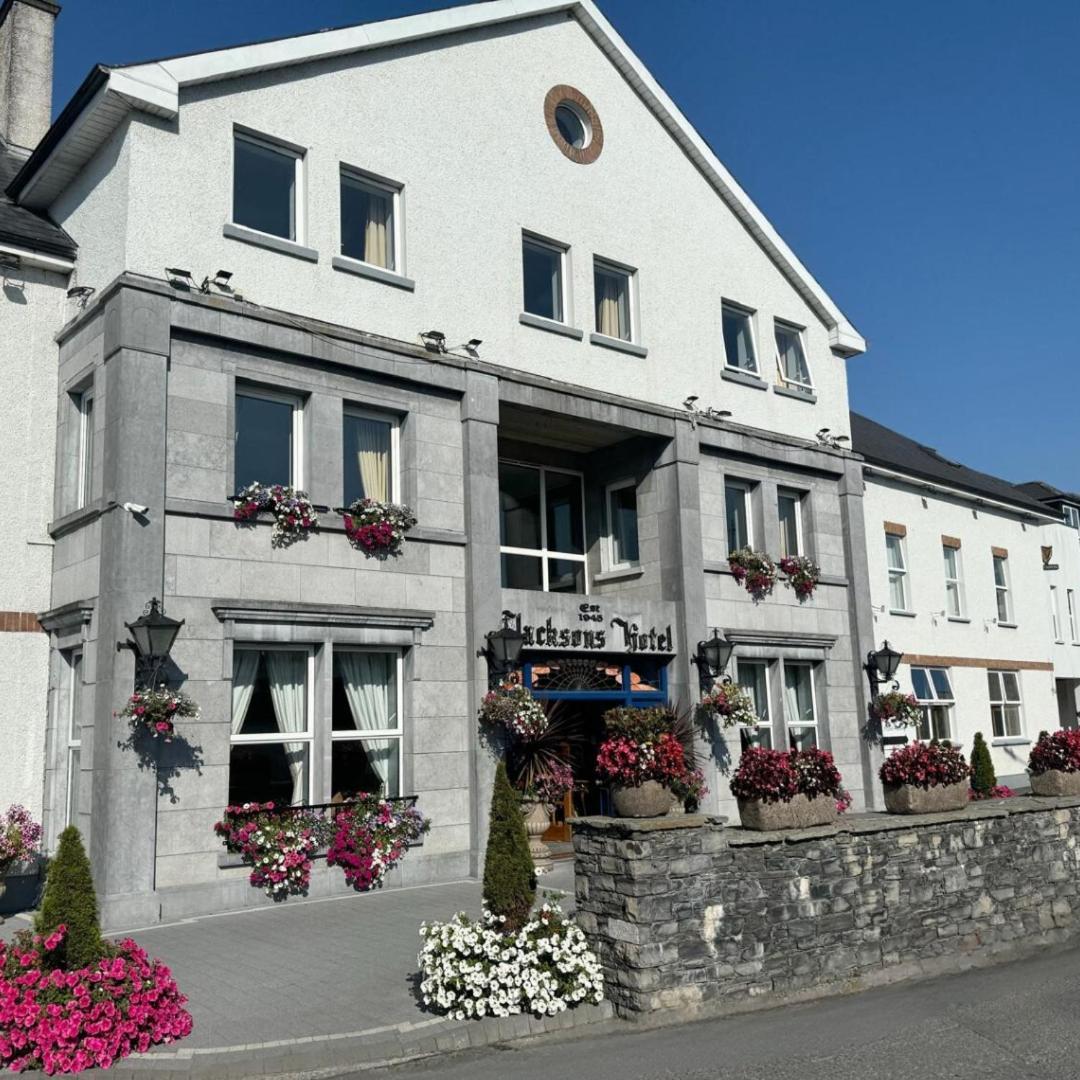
800,812
650,799
537,822
911,799
1055,782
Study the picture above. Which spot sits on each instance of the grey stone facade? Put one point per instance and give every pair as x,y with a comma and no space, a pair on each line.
687,914
164,364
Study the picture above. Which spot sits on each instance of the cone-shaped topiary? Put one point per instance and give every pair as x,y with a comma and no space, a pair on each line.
70,900
509,877
983,777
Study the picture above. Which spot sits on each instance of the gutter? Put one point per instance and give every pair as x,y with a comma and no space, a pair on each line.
36,259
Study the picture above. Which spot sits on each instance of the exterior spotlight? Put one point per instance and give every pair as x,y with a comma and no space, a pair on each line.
153,635
503,648
179,279
82,293
220,280
712,658
10,261
881,667
434,340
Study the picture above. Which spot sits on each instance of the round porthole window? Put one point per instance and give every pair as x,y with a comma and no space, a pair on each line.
573,124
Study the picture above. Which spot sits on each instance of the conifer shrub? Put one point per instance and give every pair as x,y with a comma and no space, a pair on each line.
983,777
70,901
509,877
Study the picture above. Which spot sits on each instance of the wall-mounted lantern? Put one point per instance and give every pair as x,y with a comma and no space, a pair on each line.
881,667
503,648
153,635
712,659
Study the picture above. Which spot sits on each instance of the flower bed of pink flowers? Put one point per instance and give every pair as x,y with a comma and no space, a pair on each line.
371,837
60,1021
277,846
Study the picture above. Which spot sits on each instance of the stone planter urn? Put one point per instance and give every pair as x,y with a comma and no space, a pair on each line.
912,799
650,799
1055,782
799,812
537,822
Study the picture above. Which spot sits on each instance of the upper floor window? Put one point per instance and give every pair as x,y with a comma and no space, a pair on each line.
370,447
789,513
266,186
934,692
1072,515
739,518
369,219
541,528
268,437
1006,718
622,524
791,357
896,559
612,285
954,586
739,338
542,267
1001,588
1055,614
84,404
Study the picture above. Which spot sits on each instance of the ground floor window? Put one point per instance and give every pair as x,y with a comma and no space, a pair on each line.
69,713
754,679
1006,717
366,724
934,692
800,710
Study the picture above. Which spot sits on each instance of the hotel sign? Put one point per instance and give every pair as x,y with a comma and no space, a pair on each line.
594,632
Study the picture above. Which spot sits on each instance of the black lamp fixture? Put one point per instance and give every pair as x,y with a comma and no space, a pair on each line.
503,647
712,658
434,340
153,634
881,667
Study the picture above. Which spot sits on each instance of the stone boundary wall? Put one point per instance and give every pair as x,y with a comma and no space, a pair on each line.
687,914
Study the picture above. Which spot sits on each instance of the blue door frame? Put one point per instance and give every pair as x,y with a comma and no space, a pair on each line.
626,696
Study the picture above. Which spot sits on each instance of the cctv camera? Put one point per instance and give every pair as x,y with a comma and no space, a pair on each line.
135,508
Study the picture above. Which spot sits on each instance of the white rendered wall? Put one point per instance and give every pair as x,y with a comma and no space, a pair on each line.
460,123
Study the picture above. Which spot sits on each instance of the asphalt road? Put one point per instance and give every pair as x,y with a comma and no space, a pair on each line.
1012,1022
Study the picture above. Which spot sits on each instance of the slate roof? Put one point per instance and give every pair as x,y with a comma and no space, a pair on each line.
25,228
891,450
1047,493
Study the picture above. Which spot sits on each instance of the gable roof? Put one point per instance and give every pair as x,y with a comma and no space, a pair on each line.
108,94
889,449
1047,493
23,228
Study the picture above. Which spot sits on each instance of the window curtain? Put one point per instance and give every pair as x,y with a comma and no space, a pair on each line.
367,689
288,690
245,666
797,704
608,306
373,458
376,248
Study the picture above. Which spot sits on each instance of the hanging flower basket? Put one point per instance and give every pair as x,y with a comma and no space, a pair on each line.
893,709
730,705
371,837
294,515
516,710
377,528
802,574
155,712
754,570
20,835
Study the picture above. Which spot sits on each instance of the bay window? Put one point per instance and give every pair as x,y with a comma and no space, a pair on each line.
933,690
1006,717
370,448
366,723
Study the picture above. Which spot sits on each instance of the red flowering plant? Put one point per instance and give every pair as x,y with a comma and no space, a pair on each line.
371,836
925,765
377,528
998,791
294,514
553,782
156,712
780,775
643,745
803,575
66,1021
754,570
894,709
20,835
1059,750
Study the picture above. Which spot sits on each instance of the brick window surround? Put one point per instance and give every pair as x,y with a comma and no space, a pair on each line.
586,155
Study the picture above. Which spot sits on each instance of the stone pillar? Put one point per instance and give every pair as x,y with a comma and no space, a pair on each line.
483,579
123,795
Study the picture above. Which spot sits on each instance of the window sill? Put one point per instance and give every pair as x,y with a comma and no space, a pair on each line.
959,619
619,574
1008,625
619,345
799,395
553,326
903,614
1011,740
375,273
743,378
265,240
76,519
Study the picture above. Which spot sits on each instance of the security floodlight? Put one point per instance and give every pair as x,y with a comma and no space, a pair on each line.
434,340
82,293
180,279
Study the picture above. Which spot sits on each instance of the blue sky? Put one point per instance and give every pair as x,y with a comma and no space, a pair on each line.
921,159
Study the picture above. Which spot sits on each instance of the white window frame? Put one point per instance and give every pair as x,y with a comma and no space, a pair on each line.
798,498
362,413
800,333
609,539
383,186
750,315
767,725
256,390
748,509
1003,591
562,251
899,572
306,736
286,149
544,553
621,269
935,701
800,724
397,733
957,581
1074,627
1003,701
1055,615
70,673
85,480
1071,514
